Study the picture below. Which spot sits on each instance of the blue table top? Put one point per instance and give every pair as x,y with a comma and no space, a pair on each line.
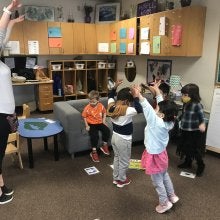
38,127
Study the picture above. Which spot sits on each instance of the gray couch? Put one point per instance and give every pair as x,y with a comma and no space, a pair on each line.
75,138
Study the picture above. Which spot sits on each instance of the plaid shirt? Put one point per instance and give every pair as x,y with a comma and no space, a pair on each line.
192,116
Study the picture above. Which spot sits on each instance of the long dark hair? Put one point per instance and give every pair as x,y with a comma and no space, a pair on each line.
193,92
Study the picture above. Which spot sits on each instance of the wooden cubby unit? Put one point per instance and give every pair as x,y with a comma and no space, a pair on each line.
81,76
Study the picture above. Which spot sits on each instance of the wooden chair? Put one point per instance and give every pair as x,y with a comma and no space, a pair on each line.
26,112
13,147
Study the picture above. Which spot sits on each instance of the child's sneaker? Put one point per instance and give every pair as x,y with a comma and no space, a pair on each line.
94,156
174,199
121,184
163,208
7,191
115,182
105,149
5,199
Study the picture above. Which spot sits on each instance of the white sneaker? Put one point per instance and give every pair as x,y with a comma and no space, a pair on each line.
174,199
165,207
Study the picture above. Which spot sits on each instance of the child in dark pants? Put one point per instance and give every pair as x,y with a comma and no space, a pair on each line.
94,115
192,128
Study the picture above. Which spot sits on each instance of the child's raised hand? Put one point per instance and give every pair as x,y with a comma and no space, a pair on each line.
155,87
135,90
118,82
19,19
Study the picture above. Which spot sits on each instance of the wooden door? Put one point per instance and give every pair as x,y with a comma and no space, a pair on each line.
67,36
17,35
55,47
103,36
78,38
90,39
36,31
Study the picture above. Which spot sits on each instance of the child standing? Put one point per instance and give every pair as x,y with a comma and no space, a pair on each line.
192,128
155,158
94,115
121,113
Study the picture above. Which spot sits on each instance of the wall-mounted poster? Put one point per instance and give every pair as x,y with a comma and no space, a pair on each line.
158,70
39,13
146,8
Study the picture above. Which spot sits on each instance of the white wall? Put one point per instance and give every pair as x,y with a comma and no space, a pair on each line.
201,71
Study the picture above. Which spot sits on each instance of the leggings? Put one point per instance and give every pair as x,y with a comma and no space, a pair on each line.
94,133
4,132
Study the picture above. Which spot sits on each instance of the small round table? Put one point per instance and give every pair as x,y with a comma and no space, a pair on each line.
34,128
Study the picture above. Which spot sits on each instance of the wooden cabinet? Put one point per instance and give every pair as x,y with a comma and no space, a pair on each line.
84,38
36,31
45,96
17,35
190,19
76,78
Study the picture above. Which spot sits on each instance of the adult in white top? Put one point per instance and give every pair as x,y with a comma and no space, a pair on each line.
7,103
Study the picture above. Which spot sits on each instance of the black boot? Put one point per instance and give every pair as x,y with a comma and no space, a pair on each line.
200,169
186,164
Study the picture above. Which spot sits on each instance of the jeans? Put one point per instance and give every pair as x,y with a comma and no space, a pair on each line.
163,186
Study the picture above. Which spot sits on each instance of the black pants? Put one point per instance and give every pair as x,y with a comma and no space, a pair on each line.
94,133
4,132
192,146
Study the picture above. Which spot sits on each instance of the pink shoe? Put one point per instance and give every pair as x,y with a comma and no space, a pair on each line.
165,207
174,198
94,156
115,182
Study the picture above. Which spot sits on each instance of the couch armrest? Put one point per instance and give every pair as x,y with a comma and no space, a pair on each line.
69,117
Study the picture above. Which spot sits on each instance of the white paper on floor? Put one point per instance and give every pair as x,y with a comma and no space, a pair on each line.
112,166
91,170
186,174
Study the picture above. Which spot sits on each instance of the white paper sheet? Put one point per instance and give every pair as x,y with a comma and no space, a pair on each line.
103,47
145,33
14,47
33,47
145,48
91,170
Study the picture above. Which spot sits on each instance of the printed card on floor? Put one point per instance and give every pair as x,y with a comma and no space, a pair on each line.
91,170
112,166
135,164
186,174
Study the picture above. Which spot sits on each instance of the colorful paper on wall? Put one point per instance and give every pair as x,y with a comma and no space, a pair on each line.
54,32
113,36
156,44
145,33
176,31
122,47
162,26
123,33
145,48
55,42
131,33
131,48
113,47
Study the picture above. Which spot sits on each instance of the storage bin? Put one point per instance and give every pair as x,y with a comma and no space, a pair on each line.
56,66
79,66
101,65
111,65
